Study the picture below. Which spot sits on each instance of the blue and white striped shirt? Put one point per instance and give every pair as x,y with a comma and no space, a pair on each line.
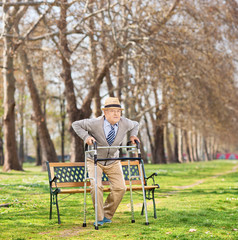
107,127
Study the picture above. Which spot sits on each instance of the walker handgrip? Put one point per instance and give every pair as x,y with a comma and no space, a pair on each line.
95,145
137,144
86,147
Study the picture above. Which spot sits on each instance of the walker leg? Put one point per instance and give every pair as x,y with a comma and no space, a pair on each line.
131,197
132,208
85,192
84,207
96,197
144,196
142,210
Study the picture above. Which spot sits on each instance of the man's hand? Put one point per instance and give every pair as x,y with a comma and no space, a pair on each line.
133,138
90,140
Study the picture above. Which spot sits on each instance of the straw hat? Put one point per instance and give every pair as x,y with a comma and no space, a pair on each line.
112,102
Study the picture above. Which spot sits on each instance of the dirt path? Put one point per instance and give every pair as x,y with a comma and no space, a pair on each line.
234,169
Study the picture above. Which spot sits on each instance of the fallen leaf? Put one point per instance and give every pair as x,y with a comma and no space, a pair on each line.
168,232
192,230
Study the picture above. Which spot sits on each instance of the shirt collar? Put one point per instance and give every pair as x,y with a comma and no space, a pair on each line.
109,124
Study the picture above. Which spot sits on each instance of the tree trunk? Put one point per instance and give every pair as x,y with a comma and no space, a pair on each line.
159,154
62,133
168,145
175,146
47,146
38,149
1,152
110,86
10,145
94,64
196,146
180,146
21,145
215,147
21,130
205,150
149,134
119,77
190,146
77,149
188,157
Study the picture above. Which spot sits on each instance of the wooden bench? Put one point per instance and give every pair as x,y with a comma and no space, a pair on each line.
68,178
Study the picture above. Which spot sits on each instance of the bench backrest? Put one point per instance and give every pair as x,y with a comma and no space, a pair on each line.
72,174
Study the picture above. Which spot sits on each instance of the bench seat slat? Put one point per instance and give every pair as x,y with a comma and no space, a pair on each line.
107,189
69,184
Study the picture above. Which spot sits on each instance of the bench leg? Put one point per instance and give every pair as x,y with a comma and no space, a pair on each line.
51,205
57,206
153,197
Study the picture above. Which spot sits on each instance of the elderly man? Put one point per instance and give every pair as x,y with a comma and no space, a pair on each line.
107,130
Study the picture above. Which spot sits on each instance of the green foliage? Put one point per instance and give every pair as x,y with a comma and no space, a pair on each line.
196,201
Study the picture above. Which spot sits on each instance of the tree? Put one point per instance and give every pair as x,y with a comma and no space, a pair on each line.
85,110
11,18
1,125
47,146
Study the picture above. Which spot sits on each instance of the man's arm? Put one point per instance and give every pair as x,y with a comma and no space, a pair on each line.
81,127
134,131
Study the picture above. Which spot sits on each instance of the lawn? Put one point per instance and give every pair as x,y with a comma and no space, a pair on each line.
195,201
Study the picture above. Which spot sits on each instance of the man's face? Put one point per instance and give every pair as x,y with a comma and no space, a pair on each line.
113,115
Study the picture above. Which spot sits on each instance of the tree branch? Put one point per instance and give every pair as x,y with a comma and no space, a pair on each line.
168,15
30,3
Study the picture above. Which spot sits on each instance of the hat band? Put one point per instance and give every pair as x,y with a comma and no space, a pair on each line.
113,105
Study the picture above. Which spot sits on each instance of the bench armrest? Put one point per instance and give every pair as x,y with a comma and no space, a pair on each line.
152,176
54,180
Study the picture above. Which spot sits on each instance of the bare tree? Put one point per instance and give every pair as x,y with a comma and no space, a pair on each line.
1,124
98,75
12,16
47,146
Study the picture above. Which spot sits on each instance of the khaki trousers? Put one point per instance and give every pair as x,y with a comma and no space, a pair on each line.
117,185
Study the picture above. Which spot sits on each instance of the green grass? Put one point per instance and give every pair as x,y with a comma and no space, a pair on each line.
195,201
